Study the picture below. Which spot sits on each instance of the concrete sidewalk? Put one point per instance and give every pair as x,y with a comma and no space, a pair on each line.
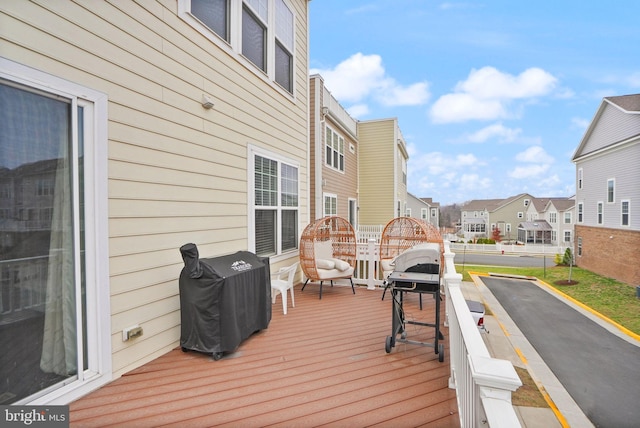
505,341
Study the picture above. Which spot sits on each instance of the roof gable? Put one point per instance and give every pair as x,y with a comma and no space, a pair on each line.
617,120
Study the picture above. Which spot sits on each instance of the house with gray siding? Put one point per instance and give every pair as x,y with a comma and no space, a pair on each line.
607,159
423,208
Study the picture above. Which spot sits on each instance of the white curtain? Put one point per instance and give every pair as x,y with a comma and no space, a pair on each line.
59,347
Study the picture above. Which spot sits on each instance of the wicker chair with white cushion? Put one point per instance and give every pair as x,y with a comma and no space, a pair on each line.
328,251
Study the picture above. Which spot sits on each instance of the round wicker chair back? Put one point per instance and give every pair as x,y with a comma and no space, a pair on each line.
403,233
333,229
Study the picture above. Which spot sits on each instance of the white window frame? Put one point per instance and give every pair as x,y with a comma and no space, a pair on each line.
567,236
580,218
234,46
98,323
424,213
567,217
331,152
553,217
611,194
520,214
622,213
600,212
580,180
252,152
333,199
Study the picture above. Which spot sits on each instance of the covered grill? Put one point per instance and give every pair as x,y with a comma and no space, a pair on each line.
416,270
223,300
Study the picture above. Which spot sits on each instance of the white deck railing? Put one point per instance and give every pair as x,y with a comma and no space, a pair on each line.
483,384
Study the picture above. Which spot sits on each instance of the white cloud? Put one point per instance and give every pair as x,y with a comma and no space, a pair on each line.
528,171
487,94
490,83
534,154
412,95
463,107
361,77
499,131
580,123
358,110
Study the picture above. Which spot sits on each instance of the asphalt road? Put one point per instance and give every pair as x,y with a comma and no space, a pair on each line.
503,260
597,368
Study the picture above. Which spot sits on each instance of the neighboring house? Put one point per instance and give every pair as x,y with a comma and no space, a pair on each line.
521,218
333,156
607,223
128,129
383,171
558,212
416,207
480,217
434,211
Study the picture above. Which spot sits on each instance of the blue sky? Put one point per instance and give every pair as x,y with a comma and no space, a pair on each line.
492,97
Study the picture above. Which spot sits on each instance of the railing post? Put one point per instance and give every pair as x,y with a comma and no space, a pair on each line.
371,250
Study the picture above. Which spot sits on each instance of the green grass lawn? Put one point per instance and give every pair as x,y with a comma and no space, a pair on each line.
609,297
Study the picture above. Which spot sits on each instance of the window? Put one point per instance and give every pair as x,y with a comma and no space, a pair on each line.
55,269
553,217
423,213
275,203
567,236
330,204
580,208
214,14
580,178
254,36
334,149
520,214
567,217
579,246
600,212
434,212
508,227
284,46
611,190
526,202
624,209
408,212
264,35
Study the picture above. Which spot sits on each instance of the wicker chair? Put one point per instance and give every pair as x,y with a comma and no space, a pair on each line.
403,233
328,251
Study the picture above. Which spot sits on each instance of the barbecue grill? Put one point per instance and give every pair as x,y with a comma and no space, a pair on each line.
416,270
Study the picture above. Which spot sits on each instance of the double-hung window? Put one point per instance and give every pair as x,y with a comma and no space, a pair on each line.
334,149
275,203
600,212
258,31
624,208
580,211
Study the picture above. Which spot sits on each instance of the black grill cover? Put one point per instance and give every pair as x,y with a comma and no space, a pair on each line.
223,300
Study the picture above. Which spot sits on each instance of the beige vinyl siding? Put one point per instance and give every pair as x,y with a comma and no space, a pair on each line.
177,172
377,141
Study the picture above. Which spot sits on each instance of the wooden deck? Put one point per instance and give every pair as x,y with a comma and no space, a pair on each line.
324,363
